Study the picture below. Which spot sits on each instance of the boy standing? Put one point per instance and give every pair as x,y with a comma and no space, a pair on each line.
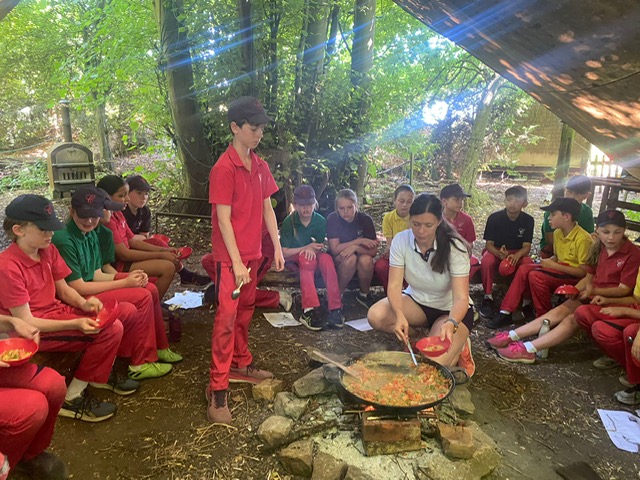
508,234
578,188
240,187
571,247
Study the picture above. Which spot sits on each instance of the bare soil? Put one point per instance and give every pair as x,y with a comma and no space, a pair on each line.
542,416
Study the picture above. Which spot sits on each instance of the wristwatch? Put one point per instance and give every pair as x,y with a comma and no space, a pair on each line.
455,324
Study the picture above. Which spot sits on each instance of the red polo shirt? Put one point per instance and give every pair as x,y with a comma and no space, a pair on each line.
616,269
121,231
230,183
463,224
31,281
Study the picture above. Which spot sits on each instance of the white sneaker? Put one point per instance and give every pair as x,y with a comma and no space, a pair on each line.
286,300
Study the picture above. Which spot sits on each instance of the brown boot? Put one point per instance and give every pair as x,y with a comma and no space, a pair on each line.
218,409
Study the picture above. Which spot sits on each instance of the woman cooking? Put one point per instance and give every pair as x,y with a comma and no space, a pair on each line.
434,261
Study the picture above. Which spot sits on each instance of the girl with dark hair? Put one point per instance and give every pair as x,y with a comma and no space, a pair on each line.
434,261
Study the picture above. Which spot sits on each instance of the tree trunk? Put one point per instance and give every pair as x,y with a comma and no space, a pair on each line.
103,134
274,17
247,44
564,160
193,149
478,130
6,6
361,64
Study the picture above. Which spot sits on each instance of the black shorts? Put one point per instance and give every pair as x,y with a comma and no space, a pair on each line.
433,314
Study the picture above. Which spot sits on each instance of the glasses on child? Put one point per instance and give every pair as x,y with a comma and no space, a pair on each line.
425,256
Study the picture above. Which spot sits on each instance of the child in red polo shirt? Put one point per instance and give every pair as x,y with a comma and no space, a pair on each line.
393,222
240,189
611,267
35,291
30,398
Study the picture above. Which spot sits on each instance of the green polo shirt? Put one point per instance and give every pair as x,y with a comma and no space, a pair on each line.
295,235
585,220
107,245
80,252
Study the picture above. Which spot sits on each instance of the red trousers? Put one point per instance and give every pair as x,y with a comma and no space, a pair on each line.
307,269
264,298
30,398
136,312
230,338
99,350
611,334
489,268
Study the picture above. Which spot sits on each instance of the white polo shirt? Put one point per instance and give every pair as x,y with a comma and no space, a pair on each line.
427,287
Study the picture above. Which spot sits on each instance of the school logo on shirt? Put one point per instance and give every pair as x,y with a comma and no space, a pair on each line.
360,233
260,177
521,232
619,263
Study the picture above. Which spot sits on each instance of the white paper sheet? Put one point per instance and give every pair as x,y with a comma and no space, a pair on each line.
281,319
623,429
361,324
187,299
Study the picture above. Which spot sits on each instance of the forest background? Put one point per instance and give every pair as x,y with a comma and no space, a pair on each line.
355,87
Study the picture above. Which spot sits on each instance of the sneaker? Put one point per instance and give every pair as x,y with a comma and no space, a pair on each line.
528,312
286,300
604,363
336,319
217,406
366,300
168,356
87,408
466,359
629,396
311,320
516,352
46,466
187,277
501,320
249,374
501,340
624,380
118,384
487,309
210,294
149,370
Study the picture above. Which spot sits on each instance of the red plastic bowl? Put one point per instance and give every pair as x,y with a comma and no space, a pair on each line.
567,290
159,236
184,252
433,346
18,344
505,268
108,314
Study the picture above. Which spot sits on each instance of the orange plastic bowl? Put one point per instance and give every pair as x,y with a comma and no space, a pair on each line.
184,252
567,290
505,268
159,236
25,344
108,314
433,346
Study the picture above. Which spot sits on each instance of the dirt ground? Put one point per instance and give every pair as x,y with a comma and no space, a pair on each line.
542,416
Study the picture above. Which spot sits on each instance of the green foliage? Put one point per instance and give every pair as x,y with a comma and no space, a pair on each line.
28,176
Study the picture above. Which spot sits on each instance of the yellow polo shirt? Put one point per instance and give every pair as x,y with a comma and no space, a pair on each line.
393,224
573,248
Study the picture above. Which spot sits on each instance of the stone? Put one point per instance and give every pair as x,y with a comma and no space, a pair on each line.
312,383
486,456
297,458
267,389
457,441
287,404
354,473
275,430
460,399
326,467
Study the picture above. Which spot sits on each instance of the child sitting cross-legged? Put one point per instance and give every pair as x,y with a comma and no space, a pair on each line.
302,235
144,340
611,267
35,291
571,246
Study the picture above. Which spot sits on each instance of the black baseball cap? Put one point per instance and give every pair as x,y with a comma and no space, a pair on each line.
565,205
111,183
304,195
35,209
611,217
91,201
248,109
453,190
138,182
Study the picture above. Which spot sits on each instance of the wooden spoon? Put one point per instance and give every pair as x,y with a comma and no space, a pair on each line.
341,366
